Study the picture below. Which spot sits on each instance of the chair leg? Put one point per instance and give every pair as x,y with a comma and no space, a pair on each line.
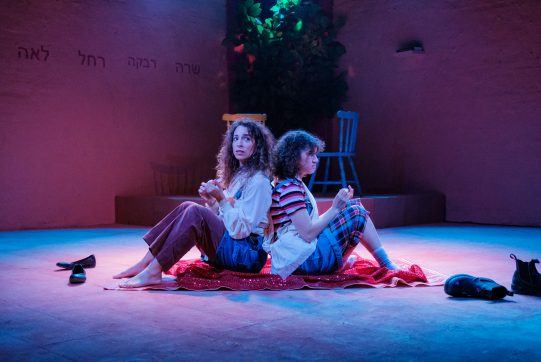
326,177
342,171
355,177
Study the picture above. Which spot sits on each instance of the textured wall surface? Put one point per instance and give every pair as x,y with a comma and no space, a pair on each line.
91,94
465,117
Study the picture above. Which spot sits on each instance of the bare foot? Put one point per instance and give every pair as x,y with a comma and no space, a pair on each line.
136,268
144,278
131,271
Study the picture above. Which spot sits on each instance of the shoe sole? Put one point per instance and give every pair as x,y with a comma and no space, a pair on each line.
69,267
495,293
525,291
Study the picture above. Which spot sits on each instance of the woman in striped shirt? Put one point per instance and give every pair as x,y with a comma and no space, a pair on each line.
304,241
229,229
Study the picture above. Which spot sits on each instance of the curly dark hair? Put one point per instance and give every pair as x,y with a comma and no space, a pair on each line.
287,153
228,165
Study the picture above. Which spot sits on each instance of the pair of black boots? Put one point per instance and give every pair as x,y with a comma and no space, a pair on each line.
526,280
78,273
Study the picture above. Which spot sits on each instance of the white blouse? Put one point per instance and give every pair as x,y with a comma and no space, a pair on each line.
288,250
248,214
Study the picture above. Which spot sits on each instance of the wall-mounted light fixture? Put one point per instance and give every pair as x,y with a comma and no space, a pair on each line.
411,47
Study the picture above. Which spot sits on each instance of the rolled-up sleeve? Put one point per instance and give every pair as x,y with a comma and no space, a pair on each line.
250,210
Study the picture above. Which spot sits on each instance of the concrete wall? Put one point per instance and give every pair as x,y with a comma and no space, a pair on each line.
465,117
90,95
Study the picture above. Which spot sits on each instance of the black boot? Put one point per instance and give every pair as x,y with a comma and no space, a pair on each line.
526,279
468,286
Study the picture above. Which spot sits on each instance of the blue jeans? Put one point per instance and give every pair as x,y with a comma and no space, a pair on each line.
336,242
326,259
242,255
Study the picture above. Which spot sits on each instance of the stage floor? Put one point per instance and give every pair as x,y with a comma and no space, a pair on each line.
44,318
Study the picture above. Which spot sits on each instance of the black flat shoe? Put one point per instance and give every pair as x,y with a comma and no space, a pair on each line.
78,274
468,286
526,279
88,262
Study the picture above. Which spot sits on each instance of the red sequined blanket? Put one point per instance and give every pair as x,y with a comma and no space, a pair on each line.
196,275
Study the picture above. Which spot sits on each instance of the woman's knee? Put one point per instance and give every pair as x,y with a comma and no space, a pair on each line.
194,209
185,205
184,208
355,210
357,215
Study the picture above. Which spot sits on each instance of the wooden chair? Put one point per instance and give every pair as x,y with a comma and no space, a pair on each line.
169,180
347,123
230,118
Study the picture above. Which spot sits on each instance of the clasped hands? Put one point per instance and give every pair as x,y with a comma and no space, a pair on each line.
342,197
211,191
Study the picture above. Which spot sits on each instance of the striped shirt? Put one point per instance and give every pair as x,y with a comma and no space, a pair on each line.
288,197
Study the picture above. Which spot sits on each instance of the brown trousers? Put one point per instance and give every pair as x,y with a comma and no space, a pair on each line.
188,225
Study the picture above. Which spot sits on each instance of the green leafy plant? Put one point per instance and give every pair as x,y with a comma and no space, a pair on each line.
286,65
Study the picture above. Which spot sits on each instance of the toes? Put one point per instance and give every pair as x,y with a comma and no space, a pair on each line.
127,284
121,275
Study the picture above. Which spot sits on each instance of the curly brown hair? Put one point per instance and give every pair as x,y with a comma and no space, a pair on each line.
228,165
287,153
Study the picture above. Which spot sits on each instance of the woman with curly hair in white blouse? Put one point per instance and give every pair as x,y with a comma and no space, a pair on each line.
229,229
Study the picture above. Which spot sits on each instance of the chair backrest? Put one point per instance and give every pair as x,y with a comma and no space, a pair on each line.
169,179
347,123
230,118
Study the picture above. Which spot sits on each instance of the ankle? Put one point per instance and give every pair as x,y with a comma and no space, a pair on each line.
154,268
383,259
390,265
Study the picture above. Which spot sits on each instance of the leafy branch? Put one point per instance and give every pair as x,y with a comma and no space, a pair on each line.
286,65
